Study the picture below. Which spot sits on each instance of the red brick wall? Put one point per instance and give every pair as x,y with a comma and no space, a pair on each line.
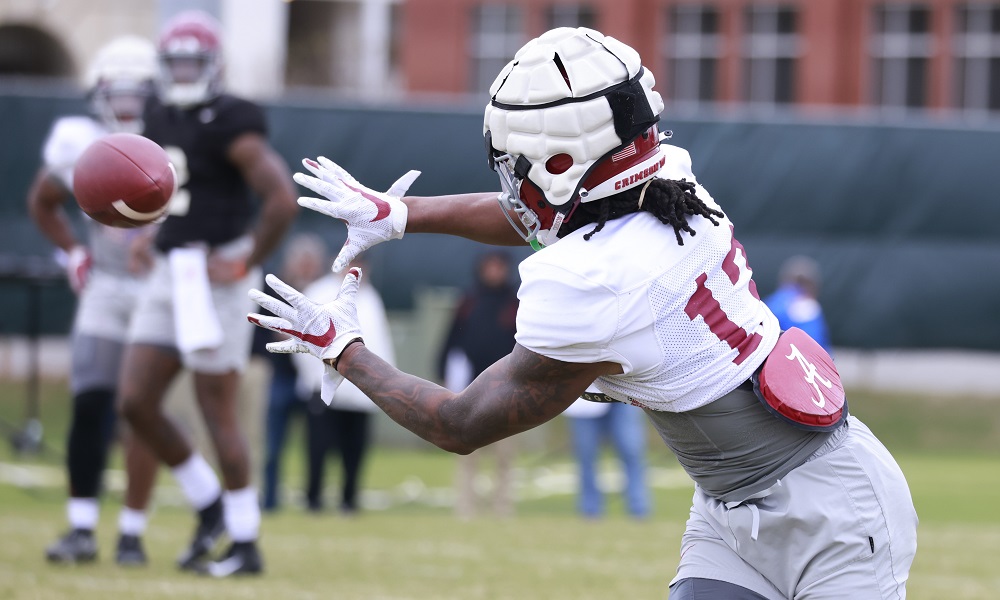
833,70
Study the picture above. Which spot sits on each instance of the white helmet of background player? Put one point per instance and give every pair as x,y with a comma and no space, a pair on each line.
120,80
571,119
190,51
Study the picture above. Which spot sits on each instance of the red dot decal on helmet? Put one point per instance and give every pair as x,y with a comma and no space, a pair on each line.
559,163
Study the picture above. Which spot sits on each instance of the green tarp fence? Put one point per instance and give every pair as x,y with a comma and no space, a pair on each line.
903,218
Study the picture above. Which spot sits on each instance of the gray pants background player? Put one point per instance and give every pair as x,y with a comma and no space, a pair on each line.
104,312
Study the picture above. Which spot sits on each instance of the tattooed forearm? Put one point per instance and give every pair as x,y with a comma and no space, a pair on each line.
418,405
519,392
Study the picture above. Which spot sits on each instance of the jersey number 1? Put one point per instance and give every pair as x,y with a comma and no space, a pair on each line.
703,304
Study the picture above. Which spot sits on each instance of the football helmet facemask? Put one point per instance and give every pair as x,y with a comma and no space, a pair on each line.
120,80
571,119
190,53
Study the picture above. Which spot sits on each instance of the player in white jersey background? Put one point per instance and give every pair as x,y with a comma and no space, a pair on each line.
639,287
119,82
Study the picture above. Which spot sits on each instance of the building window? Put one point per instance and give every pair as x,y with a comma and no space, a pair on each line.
498,33
571,15
901,48
977,57
692,52
770,50
311,59
395,34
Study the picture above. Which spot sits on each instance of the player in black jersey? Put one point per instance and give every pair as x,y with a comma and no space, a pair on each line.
207,256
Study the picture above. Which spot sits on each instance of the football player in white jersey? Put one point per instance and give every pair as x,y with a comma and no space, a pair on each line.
118,83
641,288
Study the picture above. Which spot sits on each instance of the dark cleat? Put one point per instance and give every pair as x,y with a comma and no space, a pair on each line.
242,558
130,552
77,546
210,527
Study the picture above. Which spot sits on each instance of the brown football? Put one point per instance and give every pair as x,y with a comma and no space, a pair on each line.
124,180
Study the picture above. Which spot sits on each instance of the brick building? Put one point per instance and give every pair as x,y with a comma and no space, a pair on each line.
941,56
933,54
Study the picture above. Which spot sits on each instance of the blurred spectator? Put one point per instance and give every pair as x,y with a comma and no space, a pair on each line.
482,332
796,303
304,261
345,425
592,423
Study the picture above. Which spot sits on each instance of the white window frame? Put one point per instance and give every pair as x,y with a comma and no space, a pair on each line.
497,34
571,15
974,48
895,47
762,49
684,50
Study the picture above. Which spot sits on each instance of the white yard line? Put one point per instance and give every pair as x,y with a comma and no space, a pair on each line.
557,479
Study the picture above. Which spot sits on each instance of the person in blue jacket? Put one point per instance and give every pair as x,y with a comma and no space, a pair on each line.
796,303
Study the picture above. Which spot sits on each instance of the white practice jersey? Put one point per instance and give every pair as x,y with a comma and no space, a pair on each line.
66,142
684,322
69,137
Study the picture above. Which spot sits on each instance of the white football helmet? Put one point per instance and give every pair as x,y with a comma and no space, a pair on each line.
120,80
571,119
190,50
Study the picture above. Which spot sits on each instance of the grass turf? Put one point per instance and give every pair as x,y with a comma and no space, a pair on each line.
416,549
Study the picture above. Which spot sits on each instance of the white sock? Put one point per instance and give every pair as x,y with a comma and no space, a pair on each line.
82,513
132,522
242,514
198,481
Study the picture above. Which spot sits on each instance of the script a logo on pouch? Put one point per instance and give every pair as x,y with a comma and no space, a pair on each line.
811,376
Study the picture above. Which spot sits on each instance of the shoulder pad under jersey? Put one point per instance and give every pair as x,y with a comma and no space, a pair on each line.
67,140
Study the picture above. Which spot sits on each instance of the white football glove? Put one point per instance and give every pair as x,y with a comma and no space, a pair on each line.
372,217
323,330
78,263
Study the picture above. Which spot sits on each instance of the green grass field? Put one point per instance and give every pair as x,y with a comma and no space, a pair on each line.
408,545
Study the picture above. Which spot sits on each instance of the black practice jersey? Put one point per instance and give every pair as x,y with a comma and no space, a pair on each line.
213,203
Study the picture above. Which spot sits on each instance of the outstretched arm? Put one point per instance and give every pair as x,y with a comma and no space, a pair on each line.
373,217
477,217
518,392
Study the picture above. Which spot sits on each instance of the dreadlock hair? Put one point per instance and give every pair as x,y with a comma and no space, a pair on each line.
669,200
